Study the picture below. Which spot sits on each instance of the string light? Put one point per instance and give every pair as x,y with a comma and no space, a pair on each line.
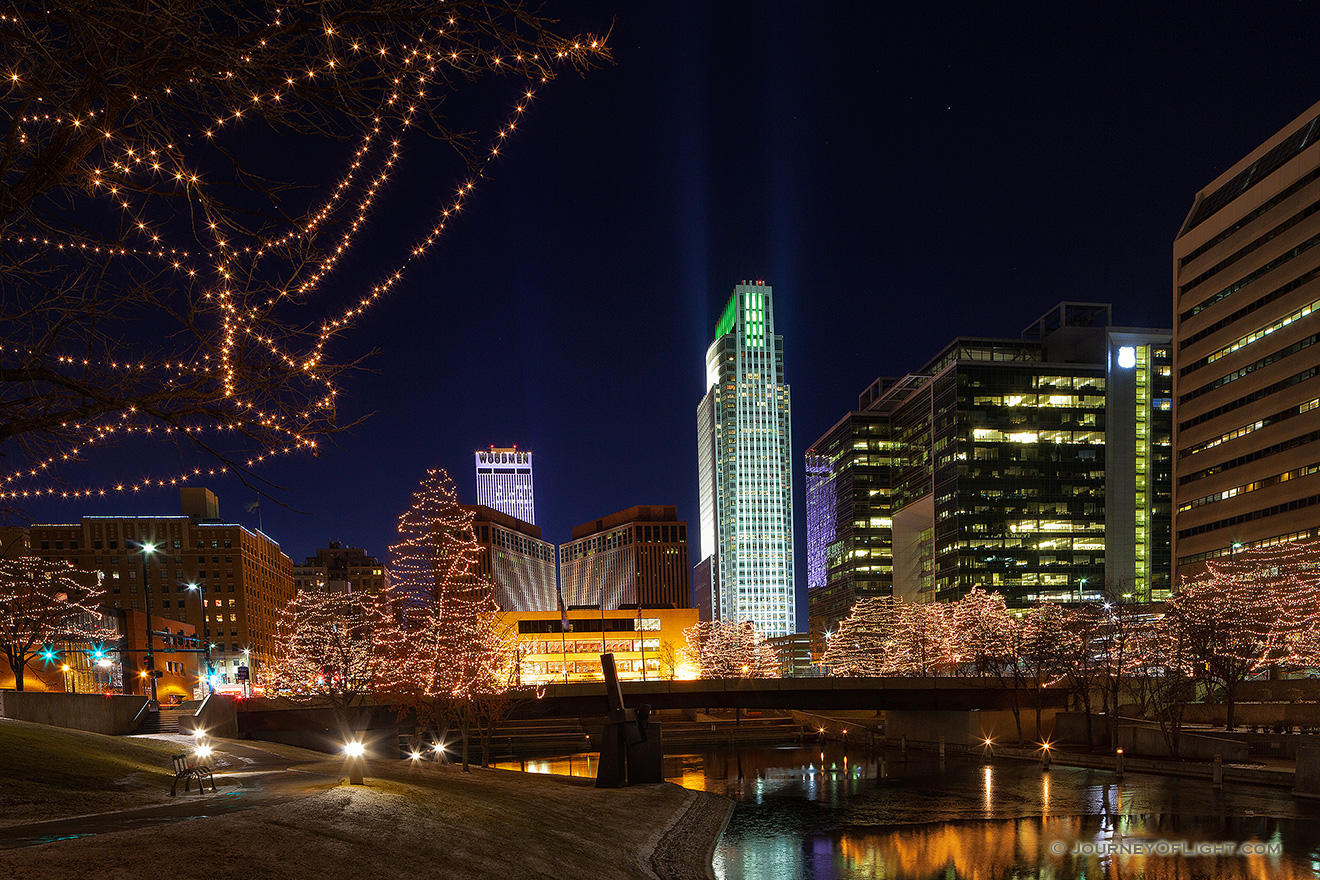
247,370
328,646
44,603
730,649
449,646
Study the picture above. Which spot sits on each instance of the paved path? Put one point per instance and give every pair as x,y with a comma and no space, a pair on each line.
245,777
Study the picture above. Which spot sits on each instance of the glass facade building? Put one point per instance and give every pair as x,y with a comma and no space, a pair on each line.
745,474
1037,467
849,525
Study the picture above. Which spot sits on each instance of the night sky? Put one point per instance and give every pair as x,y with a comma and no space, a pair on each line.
900,176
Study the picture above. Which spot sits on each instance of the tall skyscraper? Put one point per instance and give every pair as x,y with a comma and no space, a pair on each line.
745,470
1247,366
504,482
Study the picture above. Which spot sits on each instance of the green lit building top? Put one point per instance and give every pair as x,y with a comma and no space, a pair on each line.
745,471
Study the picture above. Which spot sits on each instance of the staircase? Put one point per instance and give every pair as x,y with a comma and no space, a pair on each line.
164,721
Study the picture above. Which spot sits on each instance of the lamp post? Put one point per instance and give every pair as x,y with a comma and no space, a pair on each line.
153,705
204,639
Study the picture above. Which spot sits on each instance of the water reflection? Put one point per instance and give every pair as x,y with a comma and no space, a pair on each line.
827,814
893,818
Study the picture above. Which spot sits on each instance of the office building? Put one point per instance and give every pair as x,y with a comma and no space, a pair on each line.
745,472
637,556
515,559
341,569
504,482
1247,407
647,645
1036,467
849,522
243,580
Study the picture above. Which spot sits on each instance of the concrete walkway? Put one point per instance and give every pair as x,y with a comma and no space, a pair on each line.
246,776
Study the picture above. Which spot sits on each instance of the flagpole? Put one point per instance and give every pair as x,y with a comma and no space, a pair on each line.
563,628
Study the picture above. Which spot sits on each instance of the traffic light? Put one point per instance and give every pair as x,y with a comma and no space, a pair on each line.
48,654
157,674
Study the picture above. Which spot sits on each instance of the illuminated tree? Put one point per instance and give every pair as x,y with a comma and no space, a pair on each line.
1162,679
982,632
986,636
1045,641
920,643
731,649
1118,648
1249,612
174,258
856,648
330,648
452,655
43,605
1079,655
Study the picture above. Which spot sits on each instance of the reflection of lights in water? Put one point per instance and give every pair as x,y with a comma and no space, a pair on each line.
988,789
570,765
1045,793
1020,848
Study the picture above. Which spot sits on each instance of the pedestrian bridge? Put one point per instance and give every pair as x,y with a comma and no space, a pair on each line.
808,694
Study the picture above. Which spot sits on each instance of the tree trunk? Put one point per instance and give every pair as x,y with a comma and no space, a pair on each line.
1230,691
463,724
1111,712
1040,698
19,669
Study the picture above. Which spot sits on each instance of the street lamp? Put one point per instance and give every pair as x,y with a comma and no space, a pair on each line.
204,638
354,751
147,549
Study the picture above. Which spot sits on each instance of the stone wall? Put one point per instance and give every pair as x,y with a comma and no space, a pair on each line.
970,728
1149,742
1307,781
113,714
1268,714
216,715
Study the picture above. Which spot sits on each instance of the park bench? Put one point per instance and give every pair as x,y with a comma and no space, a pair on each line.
188,770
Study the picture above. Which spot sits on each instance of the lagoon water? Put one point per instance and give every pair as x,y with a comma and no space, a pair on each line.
821,813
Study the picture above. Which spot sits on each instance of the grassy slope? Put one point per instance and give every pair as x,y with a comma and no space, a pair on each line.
50,772
405,823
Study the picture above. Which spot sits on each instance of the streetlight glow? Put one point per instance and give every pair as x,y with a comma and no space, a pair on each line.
354,749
